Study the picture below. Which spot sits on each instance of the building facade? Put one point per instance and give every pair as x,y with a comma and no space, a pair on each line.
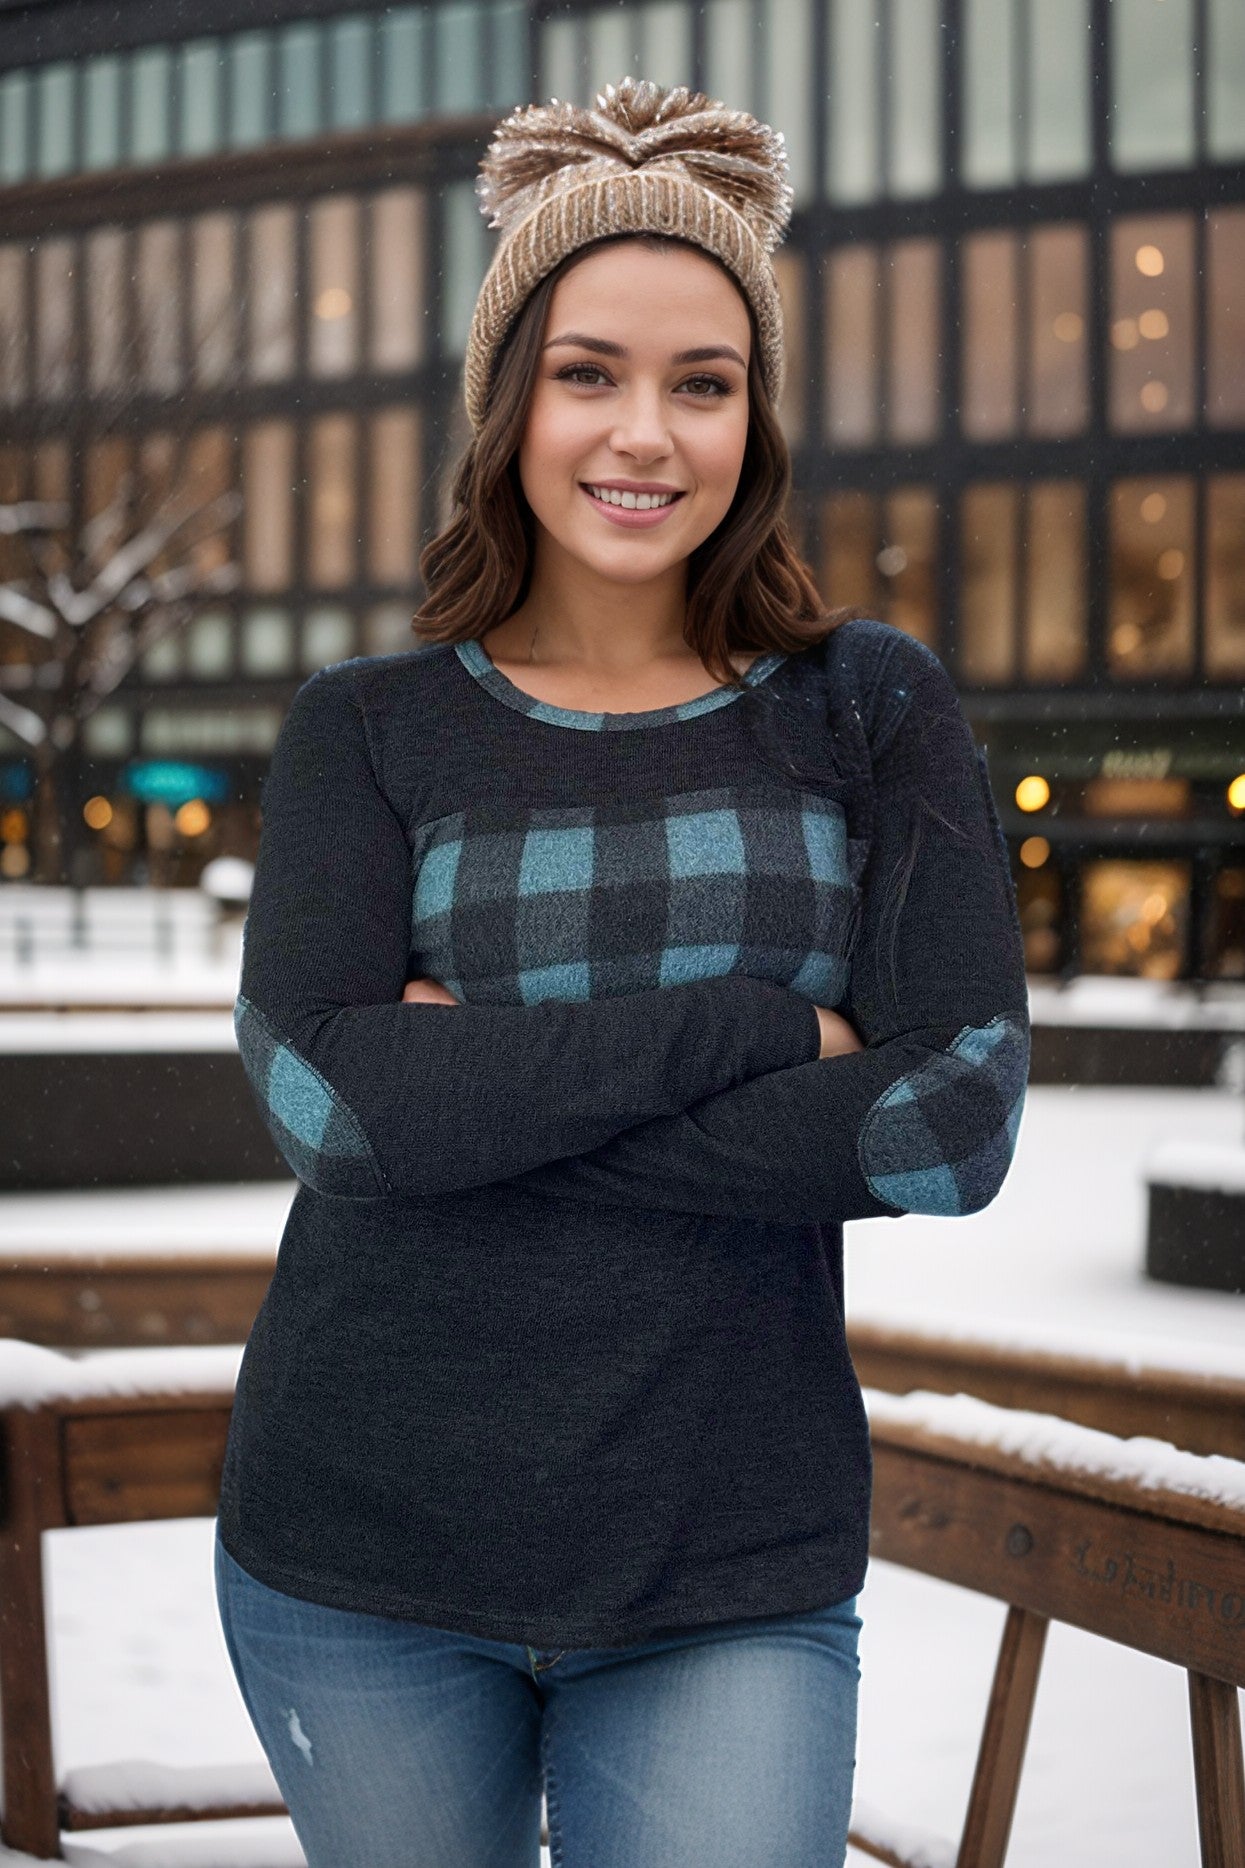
1015,296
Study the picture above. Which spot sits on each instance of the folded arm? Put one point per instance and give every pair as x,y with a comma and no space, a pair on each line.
924,1119
366,1096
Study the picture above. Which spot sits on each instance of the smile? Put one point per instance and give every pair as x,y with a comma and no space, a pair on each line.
633,516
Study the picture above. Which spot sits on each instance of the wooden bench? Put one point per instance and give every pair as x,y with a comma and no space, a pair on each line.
1031,1510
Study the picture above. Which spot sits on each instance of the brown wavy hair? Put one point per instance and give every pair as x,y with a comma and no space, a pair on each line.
748,588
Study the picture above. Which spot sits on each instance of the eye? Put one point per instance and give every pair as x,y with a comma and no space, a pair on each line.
574,370
716,386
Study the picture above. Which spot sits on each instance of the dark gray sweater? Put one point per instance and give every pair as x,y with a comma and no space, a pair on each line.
554,1349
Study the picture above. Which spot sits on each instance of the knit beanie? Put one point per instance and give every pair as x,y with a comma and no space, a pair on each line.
647,159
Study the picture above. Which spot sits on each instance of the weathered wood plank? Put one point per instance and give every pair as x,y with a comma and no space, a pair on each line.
1000,1759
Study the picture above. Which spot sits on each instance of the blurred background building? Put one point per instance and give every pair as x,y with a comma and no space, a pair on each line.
242,241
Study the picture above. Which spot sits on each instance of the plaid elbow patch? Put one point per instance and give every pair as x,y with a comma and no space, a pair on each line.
942,1138
513,907
316,1131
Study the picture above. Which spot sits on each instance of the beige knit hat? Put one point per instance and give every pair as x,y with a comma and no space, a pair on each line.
646,160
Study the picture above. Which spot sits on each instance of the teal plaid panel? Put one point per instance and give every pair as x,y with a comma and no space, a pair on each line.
941,1139
514,905
315,1130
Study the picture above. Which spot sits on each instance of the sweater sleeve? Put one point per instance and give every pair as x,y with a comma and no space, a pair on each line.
925,1118
368,1096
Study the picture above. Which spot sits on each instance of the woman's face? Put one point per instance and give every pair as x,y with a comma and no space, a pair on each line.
612,406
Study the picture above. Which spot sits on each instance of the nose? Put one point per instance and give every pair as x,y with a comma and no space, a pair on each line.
641,429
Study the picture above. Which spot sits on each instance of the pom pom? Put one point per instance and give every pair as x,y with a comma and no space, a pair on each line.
540,149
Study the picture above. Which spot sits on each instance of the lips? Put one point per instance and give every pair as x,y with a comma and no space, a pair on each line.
630,517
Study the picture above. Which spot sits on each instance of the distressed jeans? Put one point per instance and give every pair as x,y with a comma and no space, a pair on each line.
400,1745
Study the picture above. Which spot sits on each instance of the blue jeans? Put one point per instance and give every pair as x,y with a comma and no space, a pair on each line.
399,1745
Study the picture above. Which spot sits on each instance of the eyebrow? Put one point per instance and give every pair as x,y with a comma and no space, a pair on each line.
605,348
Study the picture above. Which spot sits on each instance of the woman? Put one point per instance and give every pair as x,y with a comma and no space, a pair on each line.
606,953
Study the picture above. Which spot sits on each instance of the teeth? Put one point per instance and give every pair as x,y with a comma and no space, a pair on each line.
640,502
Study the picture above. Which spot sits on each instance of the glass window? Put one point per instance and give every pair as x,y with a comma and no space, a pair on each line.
269,292
14,126
1151,83
789,64
14,345
1057,127
915,75
350,72
458,56
333,334
914,321
213,297
56,118
158,276
1058,389
328,636
1224,945
559,61
163,660
1225,361
55,348
614,39
266,642
991,109
387,629
403,64
108,733
105,467
399,307
201,68
1055,581
150,74
510,53
730,67
298,83
849,552
467,253
209,646
989,356
853,153
851,321
107,323
790,273
209,472
907,561
186,730
268,505
1151,616
332,524
1134,917
1225,577
1225,81
393,514
101,134
250,89
666,26
1151,359
989,538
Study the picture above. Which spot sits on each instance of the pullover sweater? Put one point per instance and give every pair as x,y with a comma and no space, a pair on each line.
554,1348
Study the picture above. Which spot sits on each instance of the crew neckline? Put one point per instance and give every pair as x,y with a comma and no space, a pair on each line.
476,660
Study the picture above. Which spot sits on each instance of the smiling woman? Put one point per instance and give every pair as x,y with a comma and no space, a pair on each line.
577,992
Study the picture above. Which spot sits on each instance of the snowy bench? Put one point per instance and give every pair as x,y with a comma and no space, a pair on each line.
1133,1540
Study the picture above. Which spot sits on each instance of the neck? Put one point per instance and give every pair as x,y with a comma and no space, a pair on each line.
573,617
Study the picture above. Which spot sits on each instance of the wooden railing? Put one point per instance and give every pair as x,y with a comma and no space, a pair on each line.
1024,1508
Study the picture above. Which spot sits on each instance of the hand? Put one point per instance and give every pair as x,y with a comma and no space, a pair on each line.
838,1037
426,992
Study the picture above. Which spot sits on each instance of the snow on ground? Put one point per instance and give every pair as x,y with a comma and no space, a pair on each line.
141,1670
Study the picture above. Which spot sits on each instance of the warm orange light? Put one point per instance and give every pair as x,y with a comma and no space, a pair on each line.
1034,851
193,817
1153,508
1149,260
1032,793
14,827
1236,792
98,812
1170,564
1153,324
334,302
1124,334
1068,327
1154,398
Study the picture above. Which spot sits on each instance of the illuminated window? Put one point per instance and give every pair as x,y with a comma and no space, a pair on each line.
101,128
468,250
852,359
202,124
151,72
298,83
250,89
333,325
1057,401
350,71
328,636
213,297
1224,943
989,555
332,530
396,250
1040,905
990,349
881,554
790,272
107,327
788,28
157,332
1151,615
1225,81
268,509
56,354
393,513
882,324
913,399
1225,361
1225,577
15,102
57,108
1151,323
404,64
266,642
1151,50
1054,646
458,56
1134,917
14,342
208,641
270,298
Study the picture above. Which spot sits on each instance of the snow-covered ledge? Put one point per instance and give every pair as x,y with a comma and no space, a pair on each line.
31,1375
1195,1232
